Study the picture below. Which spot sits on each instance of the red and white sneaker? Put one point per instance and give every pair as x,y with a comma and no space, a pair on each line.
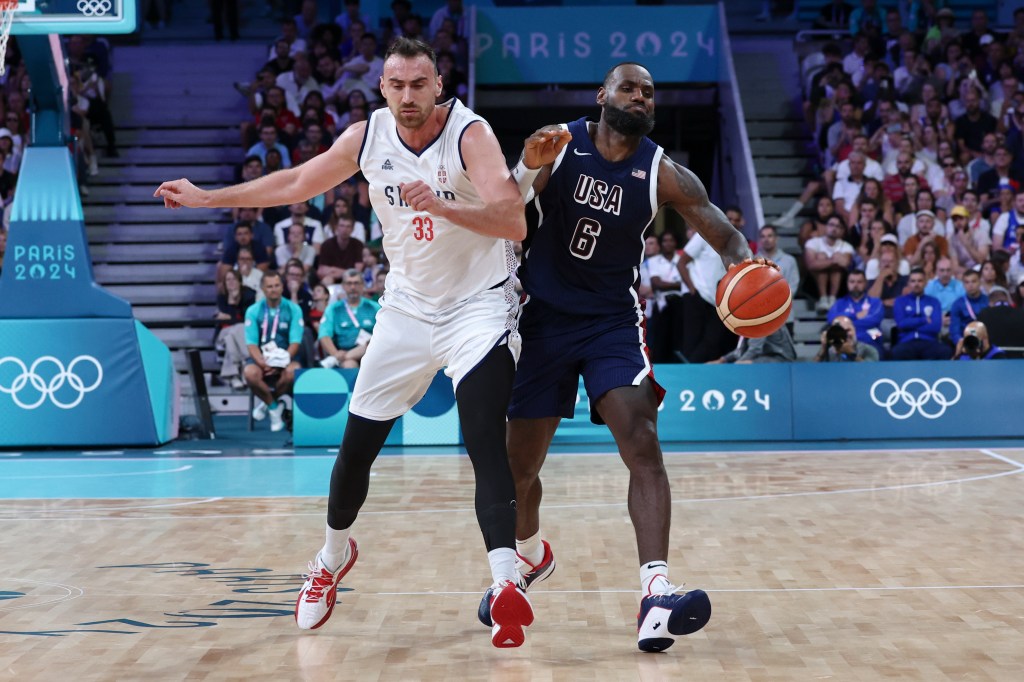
506,610
319,594
536,573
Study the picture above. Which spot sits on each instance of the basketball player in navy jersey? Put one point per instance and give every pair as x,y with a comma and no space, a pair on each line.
598,186
448,207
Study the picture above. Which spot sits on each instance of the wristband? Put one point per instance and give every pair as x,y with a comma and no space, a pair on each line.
524,177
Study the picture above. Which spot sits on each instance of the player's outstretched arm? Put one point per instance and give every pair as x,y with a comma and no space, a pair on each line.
289,186
501,214
683,191
539,153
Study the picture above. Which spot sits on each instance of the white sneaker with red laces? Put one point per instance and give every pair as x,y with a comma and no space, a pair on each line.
319,594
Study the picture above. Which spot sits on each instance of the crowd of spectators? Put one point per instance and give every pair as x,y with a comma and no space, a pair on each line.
918,190
319,77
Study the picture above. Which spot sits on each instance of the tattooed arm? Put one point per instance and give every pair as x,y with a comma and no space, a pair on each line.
683,191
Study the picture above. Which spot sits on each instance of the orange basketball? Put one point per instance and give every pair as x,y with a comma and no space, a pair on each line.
753,300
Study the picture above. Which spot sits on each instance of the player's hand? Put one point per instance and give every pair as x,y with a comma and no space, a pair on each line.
761,260
420,197
544,146
178,193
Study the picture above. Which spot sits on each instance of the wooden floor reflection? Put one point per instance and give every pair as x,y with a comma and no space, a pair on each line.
830,565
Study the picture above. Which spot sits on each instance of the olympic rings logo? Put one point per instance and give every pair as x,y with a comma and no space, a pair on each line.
94,8
29,380
916,396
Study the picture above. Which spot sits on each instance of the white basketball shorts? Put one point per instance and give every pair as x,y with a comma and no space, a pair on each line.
405,352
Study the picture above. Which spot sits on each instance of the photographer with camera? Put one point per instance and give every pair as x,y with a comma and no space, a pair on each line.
976,346
839,344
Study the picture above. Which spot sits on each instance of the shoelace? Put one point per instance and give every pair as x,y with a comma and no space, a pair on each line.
321,579
670,590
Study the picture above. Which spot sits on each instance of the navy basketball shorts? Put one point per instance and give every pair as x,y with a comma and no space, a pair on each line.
609,351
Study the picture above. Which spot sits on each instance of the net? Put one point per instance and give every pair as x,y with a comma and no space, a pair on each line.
7,10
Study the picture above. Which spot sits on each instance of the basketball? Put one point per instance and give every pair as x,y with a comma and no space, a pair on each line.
753,300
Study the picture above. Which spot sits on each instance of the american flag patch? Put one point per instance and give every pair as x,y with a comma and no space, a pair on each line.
637,173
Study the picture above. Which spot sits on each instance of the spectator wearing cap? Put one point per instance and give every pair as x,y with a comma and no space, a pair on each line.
1004,232
968,239
1002,174
924,235
972,39
919,321
944,286
924,200
966,308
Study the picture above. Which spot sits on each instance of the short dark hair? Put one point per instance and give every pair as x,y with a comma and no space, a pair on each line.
970,272
769,227
856,271
252,157
609,72
734,208
917,271
411,48
270,274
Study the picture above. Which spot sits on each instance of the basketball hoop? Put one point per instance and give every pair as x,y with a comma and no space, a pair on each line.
7,10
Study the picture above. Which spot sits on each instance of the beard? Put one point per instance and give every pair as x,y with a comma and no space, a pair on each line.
627,123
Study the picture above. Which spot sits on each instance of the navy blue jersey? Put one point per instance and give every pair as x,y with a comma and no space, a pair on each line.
585,255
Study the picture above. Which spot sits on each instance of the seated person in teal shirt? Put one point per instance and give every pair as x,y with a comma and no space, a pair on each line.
273,334
347,324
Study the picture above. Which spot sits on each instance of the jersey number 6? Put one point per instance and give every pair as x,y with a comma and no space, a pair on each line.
584,239
423,228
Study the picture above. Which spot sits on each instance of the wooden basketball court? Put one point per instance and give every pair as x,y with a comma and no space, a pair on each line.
849,565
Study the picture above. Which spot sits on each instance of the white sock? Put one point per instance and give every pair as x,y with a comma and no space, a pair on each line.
503,564
333,552
654,577
531,548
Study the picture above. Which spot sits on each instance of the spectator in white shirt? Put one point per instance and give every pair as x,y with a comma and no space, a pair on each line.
828,259
846,191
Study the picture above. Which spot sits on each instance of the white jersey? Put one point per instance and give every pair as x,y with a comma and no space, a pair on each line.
434,262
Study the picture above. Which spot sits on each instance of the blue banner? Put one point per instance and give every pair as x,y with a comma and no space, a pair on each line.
908,400
577,45
74,382
764,402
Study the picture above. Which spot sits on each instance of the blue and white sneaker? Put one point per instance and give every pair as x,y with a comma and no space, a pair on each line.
535,574
666,615
506,610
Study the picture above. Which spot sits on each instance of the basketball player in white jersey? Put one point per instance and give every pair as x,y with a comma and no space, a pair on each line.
447,205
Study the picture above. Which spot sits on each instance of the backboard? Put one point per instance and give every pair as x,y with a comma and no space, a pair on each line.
39,17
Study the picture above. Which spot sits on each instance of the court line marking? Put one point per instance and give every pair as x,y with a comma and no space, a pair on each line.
70,592
738,590
1002,458
737,498
901,588
188,503
47,477
610,453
